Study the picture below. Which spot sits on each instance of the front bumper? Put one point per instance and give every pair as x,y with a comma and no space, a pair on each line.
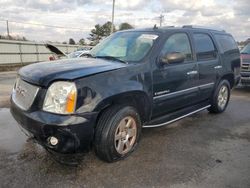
74,132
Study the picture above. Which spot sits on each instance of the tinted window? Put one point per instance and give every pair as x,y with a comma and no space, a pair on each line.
204,47
246,49
226,42
178,43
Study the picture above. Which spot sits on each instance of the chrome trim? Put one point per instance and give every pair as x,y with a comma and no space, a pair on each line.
176,119
218,67
204,85
176,92
192,72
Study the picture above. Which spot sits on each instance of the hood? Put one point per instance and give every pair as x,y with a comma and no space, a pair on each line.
245,58
55,50
44,73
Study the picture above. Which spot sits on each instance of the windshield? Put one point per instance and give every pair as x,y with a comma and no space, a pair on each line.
126,46
74,54
246,49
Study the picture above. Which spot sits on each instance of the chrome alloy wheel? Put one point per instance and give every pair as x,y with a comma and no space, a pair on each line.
222,97
125,135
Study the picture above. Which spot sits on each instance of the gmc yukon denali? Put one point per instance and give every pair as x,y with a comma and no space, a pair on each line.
131,80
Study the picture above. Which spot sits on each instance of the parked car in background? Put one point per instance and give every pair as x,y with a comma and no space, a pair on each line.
245,65
132,79
58,54
77,54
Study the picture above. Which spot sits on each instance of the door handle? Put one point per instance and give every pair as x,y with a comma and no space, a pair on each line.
218,67
192,72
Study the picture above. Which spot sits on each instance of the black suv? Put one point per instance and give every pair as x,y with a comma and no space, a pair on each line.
131,80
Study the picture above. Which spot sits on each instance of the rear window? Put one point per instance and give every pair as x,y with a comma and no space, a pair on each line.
226,42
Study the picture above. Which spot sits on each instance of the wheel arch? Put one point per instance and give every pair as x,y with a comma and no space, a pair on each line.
137,99
229,77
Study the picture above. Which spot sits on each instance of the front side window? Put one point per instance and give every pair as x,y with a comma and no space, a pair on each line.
126,46
204,47
178,43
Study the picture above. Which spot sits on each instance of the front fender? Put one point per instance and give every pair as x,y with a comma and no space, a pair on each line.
103,89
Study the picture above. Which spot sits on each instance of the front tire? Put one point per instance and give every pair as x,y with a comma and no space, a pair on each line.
117,133
220,97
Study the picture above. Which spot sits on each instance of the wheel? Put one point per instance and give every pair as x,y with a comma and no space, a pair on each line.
220,97
117,133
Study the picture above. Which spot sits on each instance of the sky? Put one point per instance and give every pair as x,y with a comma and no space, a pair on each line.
80,16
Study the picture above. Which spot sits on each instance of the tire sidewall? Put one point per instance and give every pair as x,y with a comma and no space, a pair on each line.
122,113
216,94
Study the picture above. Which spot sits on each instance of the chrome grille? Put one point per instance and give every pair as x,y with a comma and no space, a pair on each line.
24,94
246,60
245,67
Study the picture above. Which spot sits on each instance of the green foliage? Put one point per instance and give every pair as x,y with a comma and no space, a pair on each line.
125,26
71,41
81,42
100,32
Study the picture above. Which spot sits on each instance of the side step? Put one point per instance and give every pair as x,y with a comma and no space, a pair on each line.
175,116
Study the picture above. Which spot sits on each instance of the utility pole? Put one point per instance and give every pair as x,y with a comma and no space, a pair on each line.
161,19
8,31
113,14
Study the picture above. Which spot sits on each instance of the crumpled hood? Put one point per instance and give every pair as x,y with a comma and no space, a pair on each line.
44,73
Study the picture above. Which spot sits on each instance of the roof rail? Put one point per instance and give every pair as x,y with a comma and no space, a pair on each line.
201,27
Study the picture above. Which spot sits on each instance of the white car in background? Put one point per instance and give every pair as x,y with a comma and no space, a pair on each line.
58,54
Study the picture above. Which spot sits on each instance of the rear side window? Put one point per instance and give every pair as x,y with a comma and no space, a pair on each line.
226,42
204,47
178,43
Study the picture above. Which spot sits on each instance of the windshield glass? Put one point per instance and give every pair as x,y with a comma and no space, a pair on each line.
126,46
246,49
74,54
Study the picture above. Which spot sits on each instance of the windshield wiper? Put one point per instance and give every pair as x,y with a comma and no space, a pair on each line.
112,58
244,53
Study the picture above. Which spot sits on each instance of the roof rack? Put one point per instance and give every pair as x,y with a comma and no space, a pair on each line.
201,27
163,27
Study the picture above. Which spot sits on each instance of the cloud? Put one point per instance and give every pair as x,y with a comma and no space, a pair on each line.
231,15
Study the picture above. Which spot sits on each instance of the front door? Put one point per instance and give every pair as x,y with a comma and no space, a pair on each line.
175,84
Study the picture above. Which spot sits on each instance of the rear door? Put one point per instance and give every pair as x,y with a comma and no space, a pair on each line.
175,85
208,63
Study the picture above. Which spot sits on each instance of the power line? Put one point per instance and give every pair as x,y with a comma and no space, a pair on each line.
8,30
113,13
161,19
45,25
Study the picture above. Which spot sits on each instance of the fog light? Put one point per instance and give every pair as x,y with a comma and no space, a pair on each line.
53,140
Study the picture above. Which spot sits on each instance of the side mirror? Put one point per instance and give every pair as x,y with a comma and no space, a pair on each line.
175,57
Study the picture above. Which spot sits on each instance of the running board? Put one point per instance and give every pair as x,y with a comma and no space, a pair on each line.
176,119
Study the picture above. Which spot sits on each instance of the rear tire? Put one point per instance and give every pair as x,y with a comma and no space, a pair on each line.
220,97
117,133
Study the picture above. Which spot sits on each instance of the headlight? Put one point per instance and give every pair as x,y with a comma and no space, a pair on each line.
61,98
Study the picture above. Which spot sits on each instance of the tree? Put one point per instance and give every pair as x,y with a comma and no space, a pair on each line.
100,32
107,29
71,41
81,42
96,34
125,26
